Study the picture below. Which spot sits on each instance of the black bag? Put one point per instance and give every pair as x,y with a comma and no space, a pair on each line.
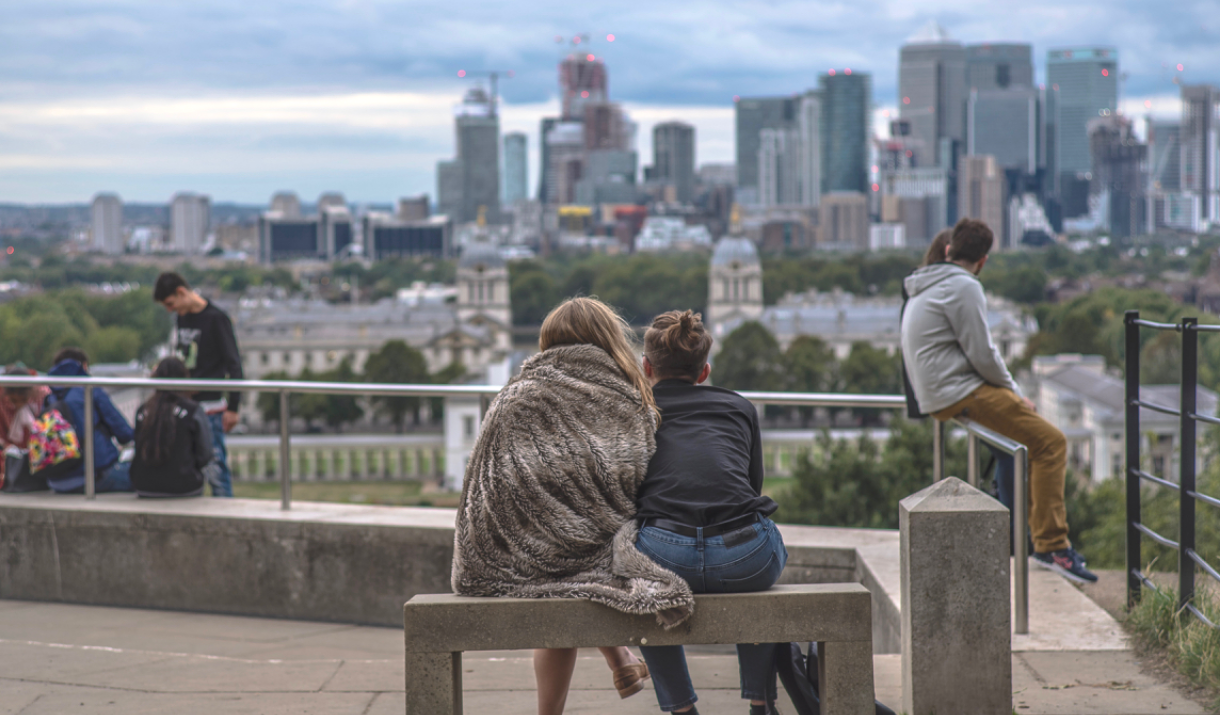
799,675
17,477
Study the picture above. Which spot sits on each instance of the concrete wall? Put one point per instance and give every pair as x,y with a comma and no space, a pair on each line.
327,562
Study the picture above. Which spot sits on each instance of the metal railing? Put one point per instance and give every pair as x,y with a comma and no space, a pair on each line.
1020,508
1188,452
285,388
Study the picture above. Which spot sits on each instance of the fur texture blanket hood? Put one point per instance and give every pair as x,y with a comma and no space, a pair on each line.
549,495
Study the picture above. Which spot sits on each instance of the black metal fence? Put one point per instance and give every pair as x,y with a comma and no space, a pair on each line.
1188,453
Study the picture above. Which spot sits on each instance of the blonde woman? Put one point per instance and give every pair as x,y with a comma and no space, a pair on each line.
548,502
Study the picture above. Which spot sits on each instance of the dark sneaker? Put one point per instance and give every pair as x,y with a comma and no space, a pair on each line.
1067,563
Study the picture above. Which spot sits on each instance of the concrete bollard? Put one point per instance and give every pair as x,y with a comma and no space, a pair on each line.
956,617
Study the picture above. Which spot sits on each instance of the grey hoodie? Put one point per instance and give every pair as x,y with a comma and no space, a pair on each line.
945,339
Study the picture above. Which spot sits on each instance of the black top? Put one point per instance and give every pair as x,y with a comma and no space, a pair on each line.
180,472
206,343
708,468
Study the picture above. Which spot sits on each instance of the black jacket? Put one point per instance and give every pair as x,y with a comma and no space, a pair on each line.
181,471
206,343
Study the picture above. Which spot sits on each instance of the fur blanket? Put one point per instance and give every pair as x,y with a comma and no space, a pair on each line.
548,502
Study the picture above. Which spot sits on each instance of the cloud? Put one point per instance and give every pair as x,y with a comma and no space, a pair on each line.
323,91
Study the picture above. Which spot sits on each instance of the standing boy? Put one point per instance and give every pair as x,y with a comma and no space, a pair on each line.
203,337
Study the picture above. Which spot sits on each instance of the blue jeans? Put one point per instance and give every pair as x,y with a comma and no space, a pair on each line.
749,563
220,478
115,478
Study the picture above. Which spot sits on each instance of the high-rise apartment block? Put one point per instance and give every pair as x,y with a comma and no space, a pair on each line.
108,223
470,183
1084,82
673,158
1201,147
1118,175
286,204
844,221
980,189
414,208
516,167
809,159
779,151
1164,156
754,114
932,92
190,219
846,104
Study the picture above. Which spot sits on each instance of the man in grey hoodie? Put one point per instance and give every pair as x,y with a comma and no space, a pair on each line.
955,370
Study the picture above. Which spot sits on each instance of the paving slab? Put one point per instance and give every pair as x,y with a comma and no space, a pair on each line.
1061,618
1094,682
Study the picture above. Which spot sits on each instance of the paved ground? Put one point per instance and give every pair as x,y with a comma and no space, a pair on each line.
57,658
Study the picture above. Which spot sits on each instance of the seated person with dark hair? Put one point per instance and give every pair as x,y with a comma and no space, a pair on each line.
701,510
109,426
173,441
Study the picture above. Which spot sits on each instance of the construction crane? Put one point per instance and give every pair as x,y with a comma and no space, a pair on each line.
493,80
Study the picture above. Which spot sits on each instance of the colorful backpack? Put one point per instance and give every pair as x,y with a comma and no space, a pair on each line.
55,450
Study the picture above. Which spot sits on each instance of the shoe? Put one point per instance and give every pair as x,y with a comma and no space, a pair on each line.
629,679
1067,563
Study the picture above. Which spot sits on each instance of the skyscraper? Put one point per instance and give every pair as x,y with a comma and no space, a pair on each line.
980,189
516,168
999,66
809,157
108,223
190,218
582,80
932,92
476,169
673,158
1118,173
845,130
1084,81
286,204
1201,147
778,152
754,114
1004,123
1164,155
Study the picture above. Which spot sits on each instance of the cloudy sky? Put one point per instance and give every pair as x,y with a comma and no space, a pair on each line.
241,98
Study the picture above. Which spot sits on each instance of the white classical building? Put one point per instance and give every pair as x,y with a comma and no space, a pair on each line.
734,293
1077,395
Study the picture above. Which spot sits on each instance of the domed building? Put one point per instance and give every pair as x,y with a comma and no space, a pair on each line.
734,292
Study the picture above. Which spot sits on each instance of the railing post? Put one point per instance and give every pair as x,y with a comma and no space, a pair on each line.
972,460
1020,539
90,473
285,453
1132,437
938,449
1186,462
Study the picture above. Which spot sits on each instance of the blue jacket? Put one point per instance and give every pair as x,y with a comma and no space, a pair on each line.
105,416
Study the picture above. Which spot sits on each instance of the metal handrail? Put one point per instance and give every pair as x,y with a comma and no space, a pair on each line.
286,387
1020,506
1189,418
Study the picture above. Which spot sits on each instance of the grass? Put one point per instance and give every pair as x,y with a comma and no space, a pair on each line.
1193,647
389,493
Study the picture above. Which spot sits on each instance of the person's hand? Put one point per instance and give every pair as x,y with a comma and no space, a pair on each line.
229,420
1029,403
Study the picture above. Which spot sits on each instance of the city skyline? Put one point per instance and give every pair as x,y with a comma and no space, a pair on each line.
104,117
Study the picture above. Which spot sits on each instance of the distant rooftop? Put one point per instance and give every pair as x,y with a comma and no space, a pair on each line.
931,34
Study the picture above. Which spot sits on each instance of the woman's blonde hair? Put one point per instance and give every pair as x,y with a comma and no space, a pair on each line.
588,321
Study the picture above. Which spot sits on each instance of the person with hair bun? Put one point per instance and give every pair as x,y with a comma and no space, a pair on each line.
700,509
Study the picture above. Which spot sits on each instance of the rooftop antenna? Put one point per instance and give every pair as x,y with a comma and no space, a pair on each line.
493,79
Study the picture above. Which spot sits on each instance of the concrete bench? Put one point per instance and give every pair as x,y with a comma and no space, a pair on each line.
440,627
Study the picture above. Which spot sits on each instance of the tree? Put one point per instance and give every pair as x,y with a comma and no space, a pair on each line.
342,409
533,293
269,402
397,363
113,344
859,484
749,359
308,406
809,366
870,371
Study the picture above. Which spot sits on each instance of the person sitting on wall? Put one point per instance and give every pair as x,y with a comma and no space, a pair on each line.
108,426
19,408
956,370
173,453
